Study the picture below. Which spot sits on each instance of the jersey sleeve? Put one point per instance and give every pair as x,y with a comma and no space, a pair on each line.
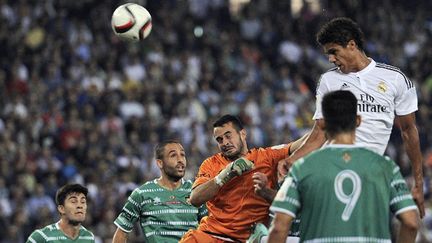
130,212
278,152
400,196
36,237
206,172
406,98
287,199
322,89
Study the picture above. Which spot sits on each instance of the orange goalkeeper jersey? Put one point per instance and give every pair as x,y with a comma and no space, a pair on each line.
236,207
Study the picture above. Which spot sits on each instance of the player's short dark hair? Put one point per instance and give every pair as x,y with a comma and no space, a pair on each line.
160,147
238,125
68,189
339,111
340,31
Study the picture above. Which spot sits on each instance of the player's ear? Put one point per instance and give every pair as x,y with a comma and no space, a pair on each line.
159,163
321,124
61,210
352,44
243,133
358,121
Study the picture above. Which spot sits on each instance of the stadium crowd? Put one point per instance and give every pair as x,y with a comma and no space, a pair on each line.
77,104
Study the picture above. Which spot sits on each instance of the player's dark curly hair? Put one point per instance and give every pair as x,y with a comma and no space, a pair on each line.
229,118
68,189
339,111
340,31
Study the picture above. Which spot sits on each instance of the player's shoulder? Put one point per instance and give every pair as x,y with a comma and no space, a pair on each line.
336,150
362,152
39,235
149,185
49,228
269,149
382,69
214,159
187,184
332,71
86,232
329,77
389,162
381,162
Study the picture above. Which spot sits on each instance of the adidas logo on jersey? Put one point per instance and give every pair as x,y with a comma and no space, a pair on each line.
344,86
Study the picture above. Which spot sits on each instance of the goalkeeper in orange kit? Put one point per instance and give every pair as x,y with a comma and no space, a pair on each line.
225,183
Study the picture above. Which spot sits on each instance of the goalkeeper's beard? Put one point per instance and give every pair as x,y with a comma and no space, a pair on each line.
236,154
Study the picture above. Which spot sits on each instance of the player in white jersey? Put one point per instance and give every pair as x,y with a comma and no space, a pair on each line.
353,198
383,92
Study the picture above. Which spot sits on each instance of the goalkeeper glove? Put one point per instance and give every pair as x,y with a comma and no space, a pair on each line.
233,169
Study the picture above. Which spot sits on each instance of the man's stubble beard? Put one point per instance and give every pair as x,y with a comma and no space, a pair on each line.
237,154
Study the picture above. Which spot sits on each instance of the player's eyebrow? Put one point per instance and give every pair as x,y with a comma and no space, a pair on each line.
173,151
76,196
330,51
220,137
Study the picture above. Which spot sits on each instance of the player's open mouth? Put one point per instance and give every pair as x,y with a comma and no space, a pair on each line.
226,149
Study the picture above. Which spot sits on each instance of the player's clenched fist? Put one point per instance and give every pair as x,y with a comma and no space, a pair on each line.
233,169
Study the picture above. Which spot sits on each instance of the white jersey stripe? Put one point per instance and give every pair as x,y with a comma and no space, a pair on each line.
408,82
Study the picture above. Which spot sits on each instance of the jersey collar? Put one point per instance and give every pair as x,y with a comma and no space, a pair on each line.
342,146
367,69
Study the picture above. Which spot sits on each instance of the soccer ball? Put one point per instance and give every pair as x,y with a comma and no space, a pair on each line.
131,21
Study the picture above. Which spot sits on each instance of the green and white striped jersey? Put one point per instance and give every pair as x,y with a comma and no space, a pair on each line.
164,215
345,194
52,233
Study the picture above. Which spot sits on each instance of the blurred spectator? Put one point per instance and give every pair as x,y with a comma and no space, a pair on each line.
38,201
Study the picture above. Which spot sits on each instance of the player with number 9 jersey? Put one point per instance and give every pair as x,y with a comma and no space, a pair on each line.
346,199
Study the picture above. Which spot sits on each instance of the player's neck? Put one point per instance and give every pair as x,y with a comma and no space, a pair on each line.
362,62
242,154
71,231
168,184
245,150
343,138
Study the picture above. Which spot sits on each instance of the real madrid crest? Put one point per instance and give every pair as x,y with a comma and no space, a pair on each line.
382,87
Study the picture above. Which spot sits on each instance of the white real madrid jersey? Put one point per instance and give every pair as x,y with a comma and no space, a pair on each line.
381,90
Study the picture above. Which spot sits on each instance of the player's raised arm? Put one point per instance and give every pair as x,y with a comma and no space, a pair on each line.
120,236
309,143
